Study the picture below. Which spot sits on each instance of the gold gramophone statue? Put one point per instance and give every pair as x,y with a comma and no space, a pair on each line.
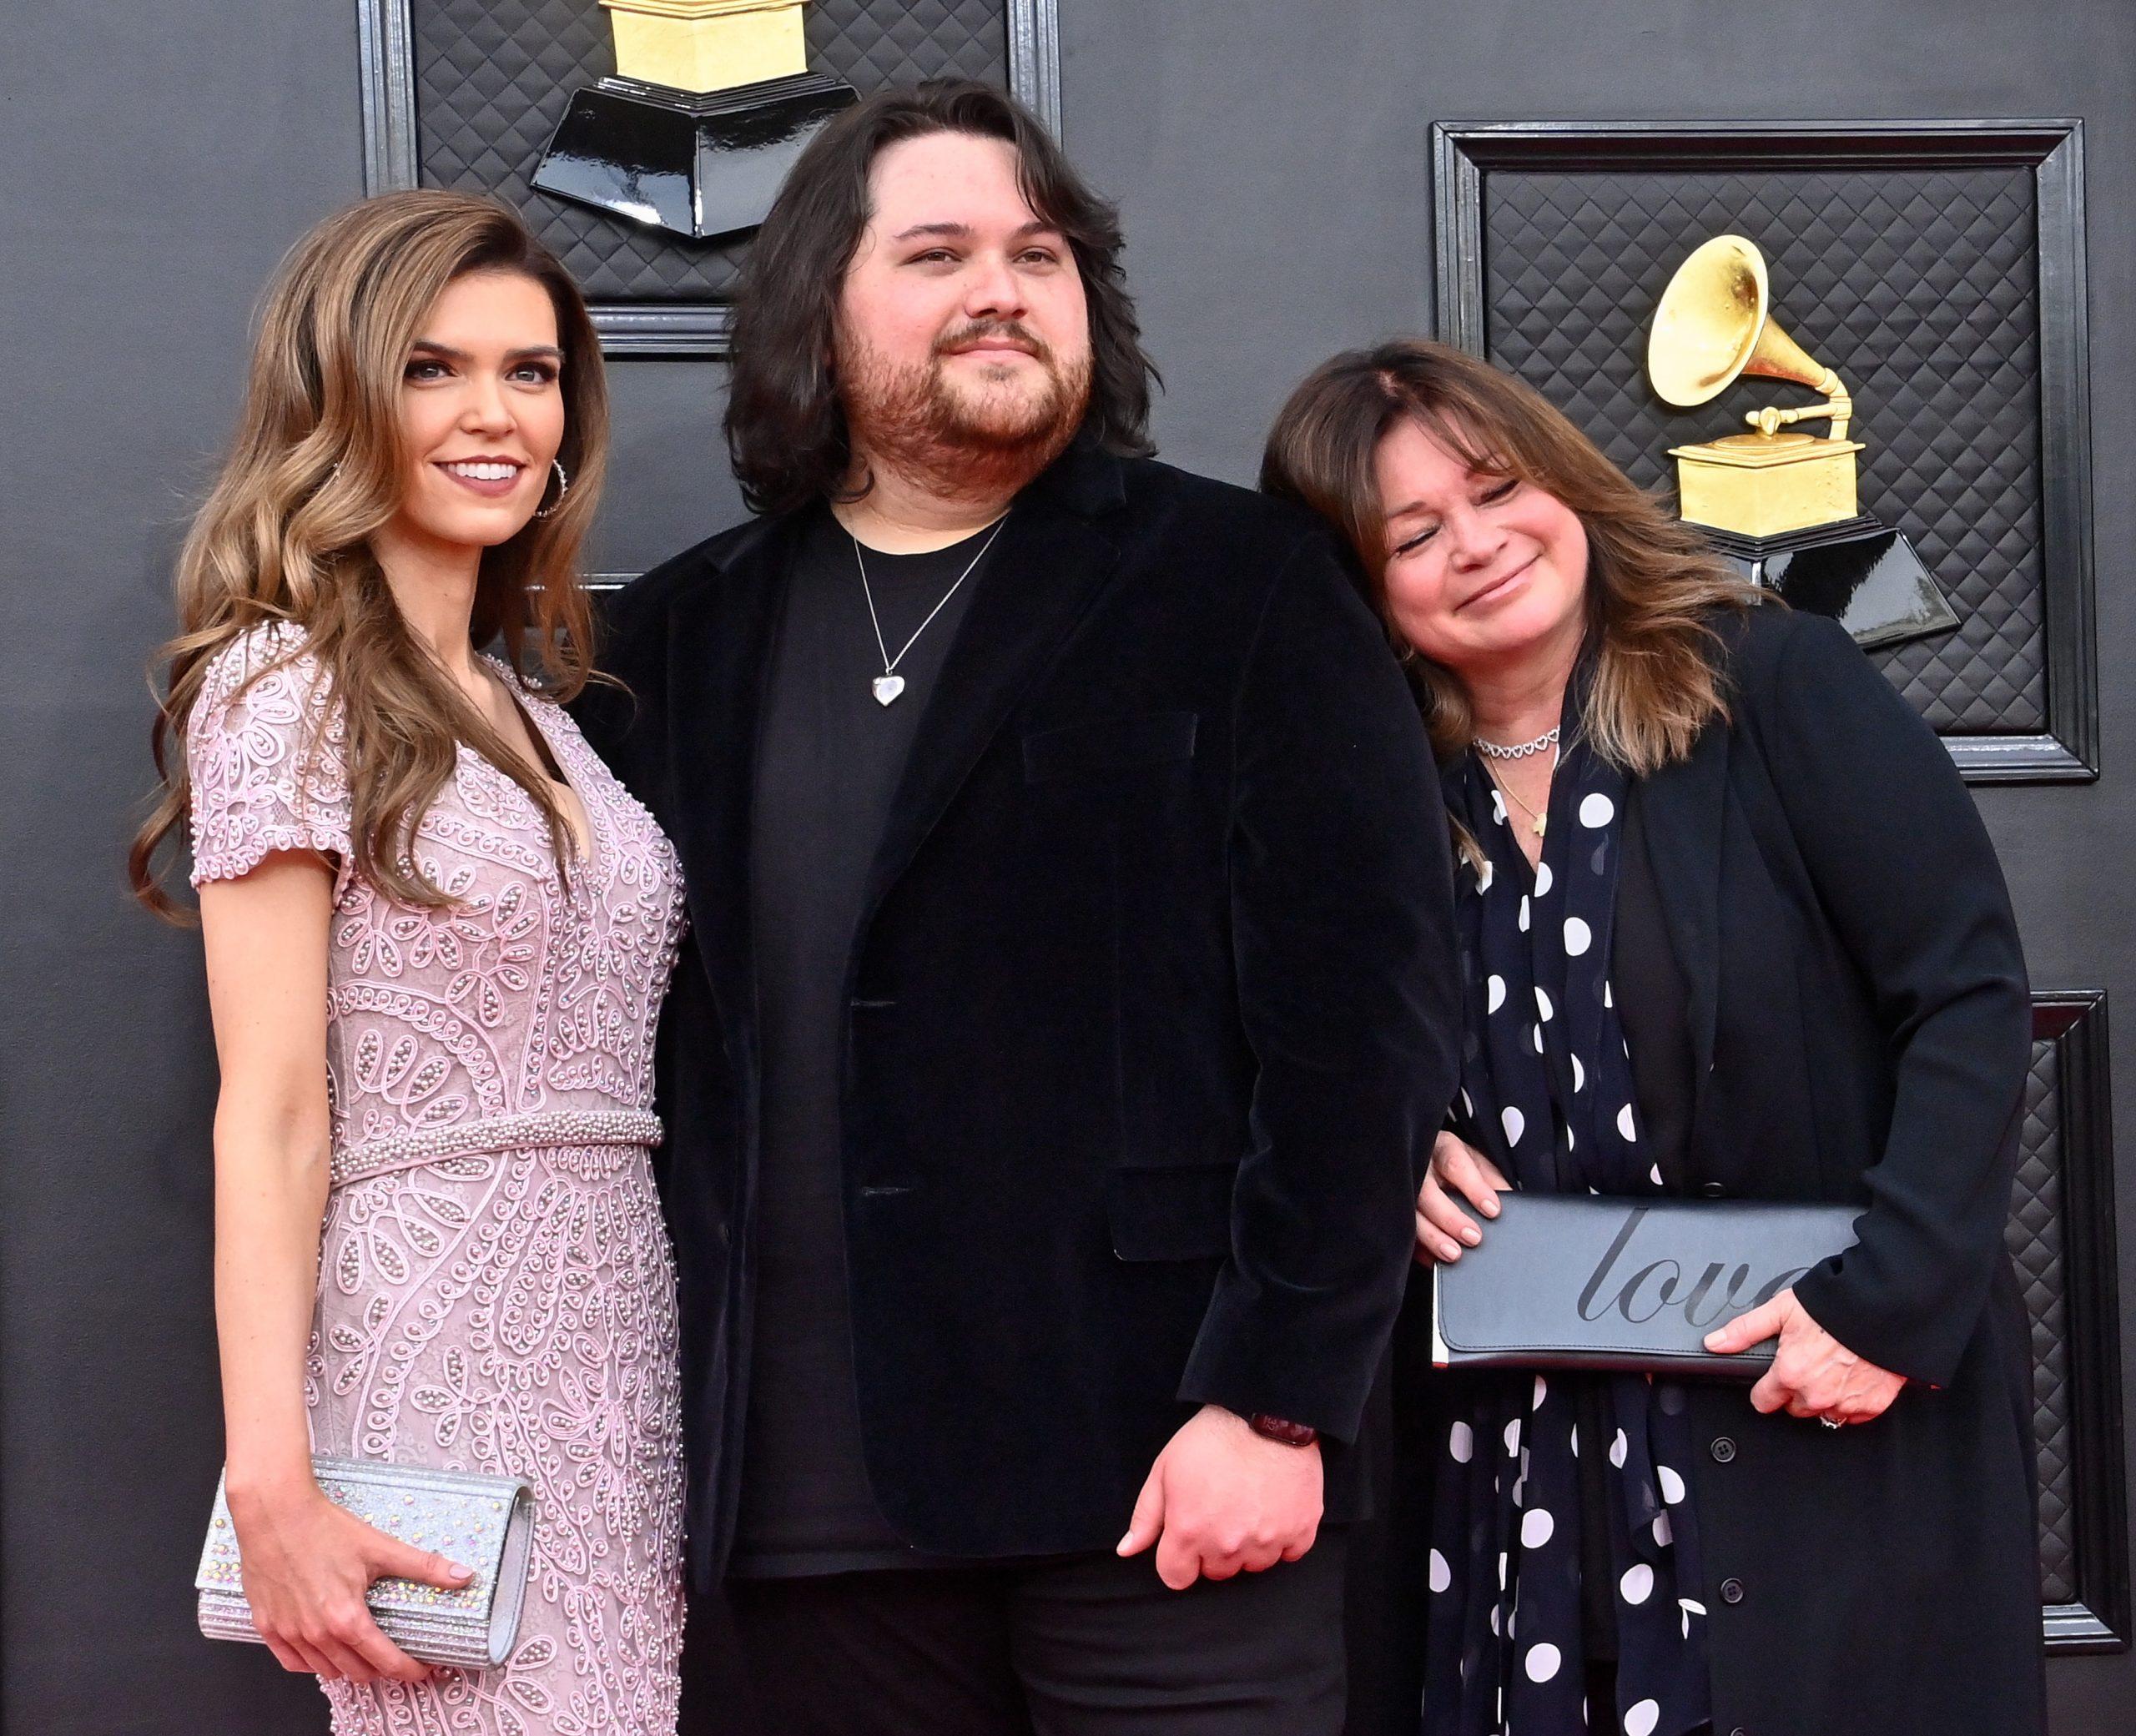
711,101
1781,503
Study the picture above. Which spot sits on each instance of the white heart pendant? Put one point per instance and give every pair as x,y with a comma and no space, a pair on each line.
888,687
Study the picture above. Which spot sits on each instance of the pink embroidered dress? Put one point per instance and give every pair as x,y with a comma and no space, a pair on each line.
495,1287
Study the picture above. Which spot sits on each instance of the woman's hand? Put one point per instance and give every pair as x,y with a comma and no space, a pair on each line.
1812,1373
1443,1227
307,1565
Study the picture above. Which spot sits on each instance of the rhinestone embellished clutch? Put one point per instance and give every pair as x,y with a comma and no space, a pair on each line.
485,1523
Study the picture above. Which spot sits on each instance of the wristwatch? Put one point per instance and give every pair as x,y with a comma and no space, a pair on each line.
1276,1428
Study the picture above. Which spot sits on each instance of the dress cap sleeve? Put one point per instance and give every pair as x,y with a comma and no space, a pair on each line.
266,762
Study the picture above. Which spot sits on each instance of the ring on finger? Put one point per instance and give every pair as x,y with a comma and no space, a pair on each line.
1832,1422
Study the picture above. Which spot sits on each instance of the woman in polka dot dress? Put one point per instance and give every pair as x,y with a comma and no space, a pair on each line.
1711,857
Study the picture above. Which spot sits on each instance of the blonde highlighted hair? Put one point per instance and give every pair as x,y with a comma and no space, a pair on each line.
1654,586
317,465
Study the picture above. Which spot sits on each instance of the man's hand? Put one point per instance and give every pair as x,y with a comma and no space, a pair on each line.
1812,1373
1221,1500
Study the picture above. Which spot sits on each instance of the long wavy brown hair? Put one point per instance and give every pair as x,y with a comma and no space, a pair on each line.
317,465
1655,589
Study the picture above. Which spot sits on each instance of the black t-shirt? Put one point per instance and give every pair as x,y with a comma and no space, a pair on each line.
829,761
1652,1007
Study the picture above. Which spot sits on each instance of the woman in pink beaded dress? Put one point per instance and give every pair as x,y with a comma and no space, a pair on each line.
437,934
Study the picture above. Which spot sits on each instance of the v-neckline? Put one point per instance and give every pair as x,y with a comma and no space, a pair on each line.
584,845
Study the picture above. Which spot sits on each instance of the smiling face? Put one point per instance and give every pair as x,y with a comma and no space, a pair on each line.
963,333
481,412
1484,571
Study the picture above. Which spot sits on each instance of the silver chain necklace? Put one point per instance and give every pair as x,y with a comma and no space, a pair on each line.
1499,750
889,684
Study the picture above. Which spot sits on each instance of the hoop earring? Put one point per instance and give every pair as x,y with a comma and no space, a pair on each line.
563,488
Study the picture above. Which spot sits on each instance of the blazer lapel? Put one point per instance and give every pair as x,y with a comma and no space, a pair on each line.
720,645
1684,808
1052,562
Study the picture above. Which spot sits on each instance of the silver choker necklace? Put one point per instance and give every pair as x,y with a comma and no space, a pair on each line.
1499,750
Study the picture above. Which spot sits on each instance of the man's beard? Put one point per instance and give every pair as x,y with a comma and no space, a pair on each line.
987,441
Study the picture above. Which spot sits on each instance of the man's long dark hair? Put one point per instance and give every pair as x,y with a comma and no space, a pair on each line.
786,428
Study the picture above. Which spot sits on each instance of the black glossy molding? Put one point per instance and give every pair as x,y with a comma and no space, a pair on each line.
698,166
1464,155
1859,571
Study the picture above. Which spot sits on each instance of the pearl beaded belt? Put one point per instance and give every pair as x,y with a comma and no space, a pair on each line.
495,1132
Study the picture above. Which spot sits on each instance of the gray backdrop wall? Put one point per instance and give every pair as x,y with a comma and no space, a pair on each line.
1272,158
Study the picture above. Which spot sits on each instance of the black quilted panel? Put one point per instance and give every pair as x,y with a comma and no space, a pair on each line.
2036,1245
1918,285
492,78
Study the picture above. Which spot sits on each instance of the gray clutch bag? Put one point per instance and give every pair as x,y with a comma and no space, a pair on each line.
485,1523
1585,1280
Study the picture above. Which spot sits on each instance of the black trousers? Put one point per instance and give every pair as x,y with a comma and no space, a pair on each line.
1083,1646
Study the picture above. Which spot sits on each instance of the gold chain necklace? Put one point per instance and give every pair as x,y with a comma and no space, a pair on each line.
1537,822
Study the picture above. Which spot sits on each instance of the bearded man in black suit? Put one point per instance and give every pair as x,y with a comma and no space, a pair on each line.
1069,1006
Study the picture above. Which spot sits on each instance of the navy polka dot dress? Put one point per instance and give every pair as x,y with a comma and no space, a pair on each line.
1547,1094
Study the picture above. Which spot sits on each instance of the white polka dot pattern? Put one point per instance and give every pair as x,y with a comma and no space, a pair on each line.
1547,1090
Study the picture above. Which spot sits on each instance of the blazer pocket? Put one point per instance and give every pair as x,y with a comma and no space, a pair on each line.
1177,1211
1112,744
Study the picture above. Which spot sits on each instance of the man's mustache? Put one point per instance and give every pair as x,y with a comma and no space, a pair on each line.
994,331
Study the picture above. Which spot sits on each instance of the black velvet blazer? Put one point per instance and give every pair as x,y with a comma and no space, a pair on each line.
1861,1027
1153,1009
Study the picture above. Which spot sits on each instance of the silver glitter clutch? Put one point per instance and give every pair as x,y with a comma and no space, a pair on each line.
485,1523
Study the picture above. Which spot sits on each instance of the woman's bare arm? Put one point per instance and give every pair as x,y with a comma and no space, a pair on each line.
265,938
307,1564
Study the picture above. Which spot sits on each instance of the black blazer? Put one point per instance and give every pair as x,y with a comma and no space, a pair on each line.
1863,1030
1152,1007
1861,1027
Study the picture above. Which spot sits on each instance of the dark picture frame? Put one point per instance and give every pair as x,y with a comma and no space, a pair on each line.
1466,153
700,330
2097,1619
